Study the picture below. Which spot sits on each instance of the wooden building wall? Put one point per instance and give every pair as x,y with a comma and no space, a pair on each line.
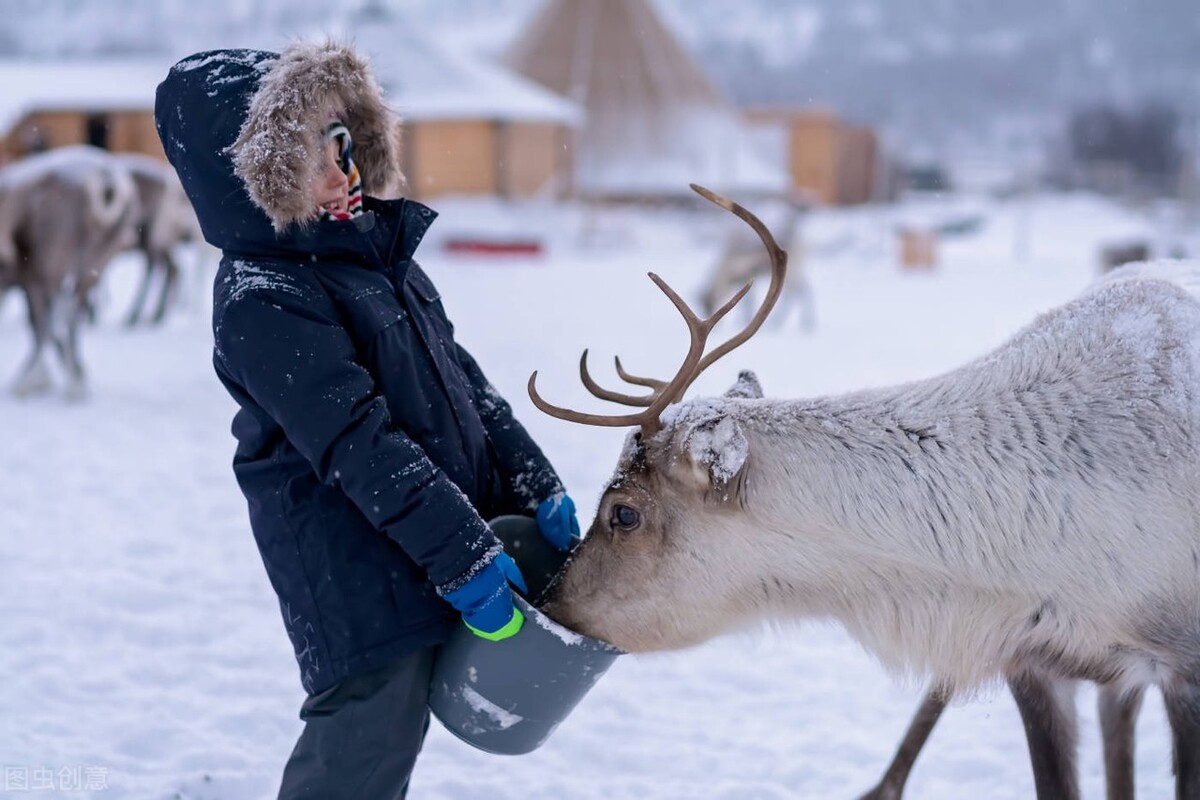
482,157
534,156
858,165
814,155
455,157
472,157
834,161
126,131
134,132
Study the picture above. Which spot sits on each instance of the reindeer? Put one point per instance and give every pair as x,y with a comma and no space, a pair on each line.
165,220
742,260
63,215
1033,514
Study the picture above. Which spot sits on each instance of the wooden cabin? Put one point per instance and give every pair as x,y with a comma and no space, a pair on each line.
109,104
486,157
837,162
471,128
118,130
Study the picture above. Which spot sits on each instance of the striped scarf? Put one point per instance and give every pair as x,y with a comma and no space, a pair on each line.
337,131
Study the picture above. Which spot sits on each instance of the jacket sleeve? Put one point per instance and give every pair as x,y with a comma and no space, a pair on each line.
527,474
290,353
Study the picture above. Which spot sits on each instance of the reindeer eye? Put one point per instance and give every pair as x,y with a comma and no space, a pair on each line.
625,517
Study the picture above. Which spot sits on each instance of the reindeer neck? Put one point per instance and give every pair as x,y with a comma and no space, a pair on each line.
896,476
883,518
992,468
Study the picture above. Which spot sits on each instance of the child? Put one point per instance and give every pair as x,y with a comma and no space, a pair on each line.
370,446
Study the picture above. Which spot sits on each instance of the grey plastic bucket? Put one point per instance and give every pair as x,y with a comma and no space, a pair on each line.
507,697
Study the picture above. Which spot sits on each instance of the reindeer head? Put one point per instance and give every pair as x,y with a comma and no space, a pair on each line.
649,574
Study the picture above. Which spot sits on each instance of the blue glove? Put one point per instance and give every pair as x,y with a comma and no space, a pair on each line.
556,520
486,602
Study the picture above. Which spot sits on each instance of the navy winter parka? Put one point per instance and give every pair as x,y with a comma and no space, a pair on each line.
370,446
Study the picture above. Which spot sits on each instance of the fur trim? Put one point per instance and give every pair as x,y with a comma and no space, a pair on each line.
281,142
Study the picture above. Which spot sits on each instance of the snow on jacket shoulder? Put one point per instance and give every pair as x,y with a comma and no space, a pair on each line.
369,442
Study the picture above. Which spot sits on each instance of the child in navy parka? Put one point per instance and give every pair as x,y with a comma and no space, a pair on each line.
370,446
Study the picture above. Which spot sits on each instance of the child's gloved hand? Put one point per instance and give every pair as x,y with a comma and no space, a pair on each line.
486,602
556,520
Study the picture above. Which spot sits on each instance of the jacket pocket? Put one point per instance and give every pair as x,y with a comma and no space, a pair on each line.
374,313
426,302
421,284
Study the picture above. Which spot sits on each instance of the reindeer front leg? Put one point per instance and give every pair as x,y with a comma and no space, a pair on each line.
170,286
1047,708
142,295
68,310
1182,699
1118,717
891,786
34,378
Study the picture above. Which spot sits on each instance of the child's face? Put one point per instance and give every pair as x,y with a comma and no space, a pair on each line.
330,187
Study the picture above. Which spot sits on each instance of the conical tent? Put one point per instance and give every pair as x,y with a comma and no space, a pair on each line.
655,122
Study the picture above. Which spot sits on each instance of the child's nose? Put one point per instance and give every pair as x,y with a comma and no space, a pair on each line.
334,177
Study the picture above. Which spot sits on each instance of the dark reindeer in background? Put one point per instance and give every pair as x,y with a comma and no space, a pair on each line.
1033,515
165,220
742,260
64,214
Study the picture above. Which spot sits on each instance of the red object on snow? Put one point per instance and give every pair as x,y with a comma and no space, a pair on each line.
494,247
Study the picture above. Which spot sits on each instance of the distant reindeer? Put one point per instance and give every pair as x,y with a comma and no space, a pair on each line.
1033,515
742,260
64,214
1118,254
165,221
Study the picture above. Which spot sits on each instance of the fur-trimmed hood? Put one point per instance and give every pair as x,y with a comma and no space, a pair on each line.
279,147
243,129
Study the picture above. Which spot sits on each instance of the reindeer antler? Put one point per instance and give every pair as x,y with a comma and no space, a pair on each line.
664,393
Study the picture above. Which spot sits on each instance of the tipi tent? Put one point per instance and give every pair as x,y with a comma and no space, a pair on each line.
655,122
471,127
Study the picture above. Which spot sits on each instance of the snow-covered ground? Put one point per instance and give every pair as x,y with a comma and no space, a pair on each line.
141,650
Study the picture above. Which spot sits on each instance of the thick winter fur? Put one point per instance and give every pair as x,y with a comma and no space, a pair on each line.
1037,506
279,147
63,216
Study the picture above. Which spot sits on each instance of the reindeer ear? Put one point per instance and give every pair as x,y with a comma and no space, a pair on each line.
715,451
747,387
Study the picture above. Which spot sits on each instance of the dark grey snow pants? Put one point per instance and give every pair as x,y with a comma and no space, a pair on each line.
361,738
